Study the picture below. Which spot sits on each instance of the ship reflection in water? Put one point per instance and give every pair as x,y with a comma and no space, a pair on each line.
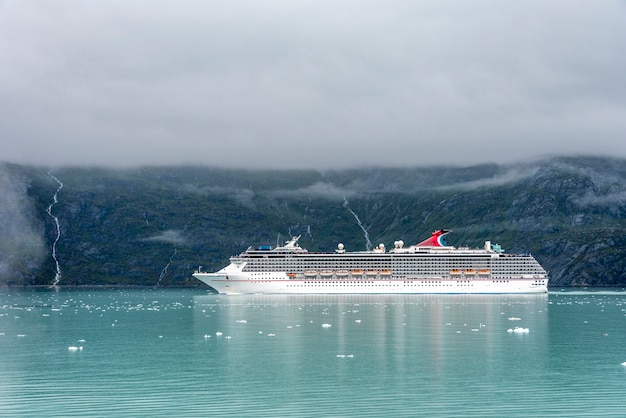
405,338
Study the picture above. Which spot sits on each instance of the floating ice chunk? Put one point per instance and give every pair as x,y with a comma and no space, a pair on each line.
242,321
624,364
514,318
228,337
341,355
326,325
474,329
358,321
518,330
219,333
74,348
207,336
271,335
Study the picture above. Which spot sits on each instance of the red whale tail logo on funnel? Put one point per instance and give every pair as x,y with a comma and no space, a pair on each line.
436,239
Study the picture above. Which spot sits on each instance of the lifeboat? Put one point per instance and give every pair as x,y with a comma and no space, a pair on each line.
385,272
357,272
470,271
326,273
291,275
484,271
310,273
342,273
455,272
371,272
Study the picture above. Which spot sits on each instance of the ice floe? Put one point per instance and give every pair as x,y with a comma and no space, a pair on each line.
518,330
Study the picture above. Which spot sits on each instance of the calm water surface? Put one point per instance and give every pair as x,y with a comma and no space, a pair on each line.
111,353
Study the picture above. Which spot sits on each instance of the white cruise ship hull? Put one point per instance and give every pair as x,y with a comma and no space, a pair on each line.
234,284
428,267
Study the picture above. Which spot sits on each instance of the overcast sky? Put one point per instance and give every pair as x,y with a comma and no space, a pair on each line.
310,84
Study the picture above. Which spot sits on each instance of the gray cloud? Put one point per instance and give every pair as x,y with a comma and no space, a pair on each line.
242,195
510,175
22,246
283,84
318,189
170,236
617,200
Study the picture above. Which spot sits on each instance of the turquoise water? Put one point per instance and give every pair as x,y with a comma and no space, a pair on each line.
188,353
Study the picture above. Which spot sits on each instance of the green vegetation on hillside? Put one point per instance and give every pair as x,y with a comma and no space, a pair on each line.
154,226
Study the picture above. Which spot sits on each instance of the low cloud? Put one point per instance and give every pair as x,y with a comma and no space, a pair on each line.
613,200
22,244
170,236
319,189
241,195
512,175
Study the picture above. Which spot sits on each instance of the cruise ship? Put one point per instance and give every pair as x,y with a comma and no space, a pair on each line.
431,266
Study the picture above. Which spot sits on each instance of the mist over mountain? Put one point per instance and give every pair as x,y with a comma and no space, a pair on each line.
155,225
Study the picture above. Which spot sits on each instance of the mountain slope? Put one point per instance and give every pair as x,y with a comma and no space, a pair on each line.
152,226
